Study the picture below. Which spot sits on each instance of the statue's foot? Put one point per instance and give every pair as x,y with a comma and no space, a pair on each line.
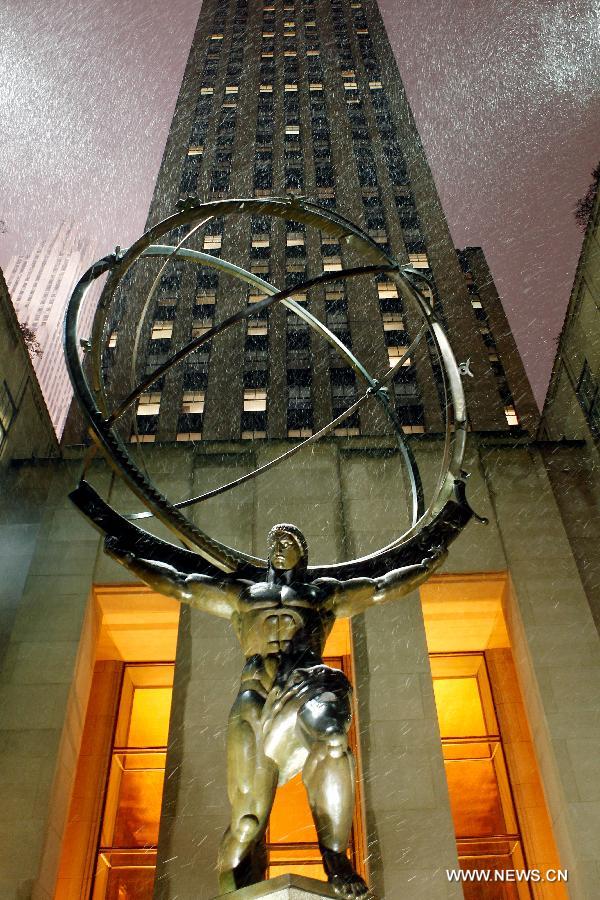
341,876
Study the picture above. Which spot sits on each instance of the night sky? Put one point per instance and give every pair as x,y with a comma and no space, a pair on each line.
505,93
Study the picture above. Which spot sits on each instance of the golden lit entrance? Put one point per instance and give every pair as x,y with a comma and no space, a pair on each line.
110,846
496,794
485,821
126,860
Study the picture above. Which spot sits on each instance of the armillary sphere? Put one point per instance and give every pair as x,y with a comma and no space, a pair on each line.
440,519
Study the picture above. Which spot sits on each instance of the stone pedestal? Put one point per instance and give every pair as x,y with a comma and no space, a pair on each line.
284,887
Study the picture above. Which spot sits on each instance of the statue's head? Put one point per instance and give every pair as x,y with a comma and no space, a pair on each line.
287,548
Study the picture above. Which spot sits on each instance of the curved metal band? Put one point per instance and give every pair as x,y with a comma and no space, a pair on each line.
227,558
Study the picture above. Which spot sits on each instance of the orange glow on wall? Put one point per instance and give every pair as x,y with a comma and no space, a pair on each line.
489,758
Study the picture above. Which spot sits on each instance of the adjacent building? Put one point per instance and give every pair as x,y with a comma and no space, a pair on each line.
476,698
25,426
571,415
40,284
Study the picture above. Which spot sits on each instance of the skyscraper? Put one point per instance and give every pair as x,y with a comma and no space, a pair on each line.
306,99
40,286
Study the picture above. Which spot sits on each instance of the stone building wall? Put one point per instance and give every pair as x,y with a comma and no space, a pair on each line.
347,500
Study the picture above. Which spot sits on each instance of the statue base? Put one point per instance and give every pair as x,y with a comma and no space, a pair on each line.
284,887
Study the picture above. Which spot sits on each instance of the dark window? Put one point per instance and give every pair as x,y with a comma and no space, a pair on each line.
189,422
587,388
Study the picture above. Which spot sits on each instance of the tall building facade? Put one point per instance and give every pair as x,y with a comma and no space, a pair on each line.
40,284
306,99
476,698
571,416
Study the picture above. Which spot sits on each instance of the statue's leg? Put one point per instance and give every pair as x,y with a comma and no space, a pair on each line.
252,780
328,775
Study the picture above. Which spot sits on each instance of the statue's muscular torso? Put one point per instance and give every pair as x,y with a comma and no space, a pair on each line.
280,627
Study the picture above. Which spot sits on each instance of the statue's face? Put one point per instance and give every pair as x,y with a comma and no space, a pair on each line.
284,551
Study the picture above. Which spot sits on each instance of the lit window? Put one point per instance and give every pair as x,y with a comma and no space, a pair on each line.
299,432
315,86
200,327
290,88
193,402
350,86
255,400
232,89
268,34
375,85
299,298
386,290
262,241
362,30
207,90
351,431
294,239
394,354
378,235
149,404
216,37
290,53
212,241
292,129
485,822
161,330
256,297
325,193
392,322
208,298
259,268
476,304
266,89
313,52
112,341
195,150
142,438
129,831
267,54
418,260
189,436
511,415
257,327
332,264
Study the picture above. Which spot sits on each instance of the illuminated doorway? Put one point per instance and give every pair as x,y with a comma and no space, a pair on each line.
126,857
485,821
501,821
110,843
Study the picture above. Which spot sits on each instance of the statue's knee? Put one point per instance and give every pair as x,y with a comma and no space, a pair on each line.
336,745
246,828
326,719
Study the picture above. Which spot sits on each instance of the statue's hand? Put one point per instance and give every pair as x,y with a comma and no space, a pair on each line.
114,549
436,554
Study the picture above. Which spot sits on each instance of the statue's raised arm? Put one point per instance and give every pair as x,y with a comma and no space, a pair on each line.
348,598
204,592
